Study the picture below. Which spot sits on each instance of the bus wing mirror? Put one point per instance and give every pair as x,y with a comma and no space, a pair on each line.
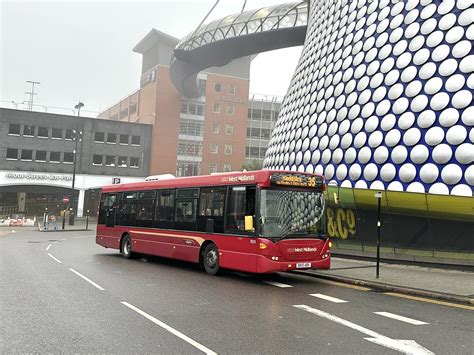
249,224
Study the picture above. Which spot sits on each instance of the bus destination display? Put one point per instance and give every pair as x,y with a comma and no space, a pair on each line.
296,180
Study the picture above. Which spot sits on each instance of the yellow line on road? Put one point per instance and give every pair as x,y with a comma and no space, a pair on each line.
428,300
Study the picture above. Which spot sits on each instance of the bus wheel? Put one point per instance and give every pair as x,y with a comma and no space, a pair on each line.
126,247
210,259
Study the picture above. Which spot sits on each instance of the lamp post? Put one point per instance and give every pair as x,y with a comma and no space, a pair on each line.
76,138
378,196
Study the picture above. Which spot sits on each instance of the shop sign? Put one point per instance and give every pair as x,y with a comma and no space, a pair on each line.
31,176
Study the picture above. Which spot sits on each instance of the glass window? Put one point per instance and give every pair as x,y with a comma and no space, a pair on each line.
28,130
69,134
227,168
133,108
54,157
230,110
40,155
202,87
122,162
106,203
192,109
109,160
212,168
212,202
217,87
99,137
124,139
124,113
57,133
68,158
134,162
112,138
12,154
135,140
186,210
97,159
228,149
214,148
241,203
231,89
43,132
217,107
184,107
127,213
200,110
14,129
229,129
146,207
165,206
215,127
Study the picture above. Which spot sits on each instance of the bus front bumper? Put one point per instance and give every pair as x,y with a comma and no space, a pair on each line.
265,265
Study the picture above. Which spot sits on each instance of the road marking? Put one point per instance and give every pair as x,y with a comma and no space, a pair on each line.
401,318
428,300
84,236
170,329
86,279
404,346
277,284
328,298
59,261
49,246
335,283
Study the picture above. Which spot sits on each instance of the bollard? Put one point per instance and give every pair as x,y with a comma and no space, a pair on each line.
64,219
87,219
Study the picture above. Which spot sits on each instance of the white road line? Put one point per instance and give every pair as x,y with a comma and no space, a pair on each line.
404,346
170,329
55,259
49,246
401,318
88,280
277,284
84,236
328,298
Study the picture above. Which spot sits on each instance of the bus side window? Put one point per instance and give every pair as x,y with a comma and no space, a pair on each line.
164,211
211,209
107,202
127,211
241,203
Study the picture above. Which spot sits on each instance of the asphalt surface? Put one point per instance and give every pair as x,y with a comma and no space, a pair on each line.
61,293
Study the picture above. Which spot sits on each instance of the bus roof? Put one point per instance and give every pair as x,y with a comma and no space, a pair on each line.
259,177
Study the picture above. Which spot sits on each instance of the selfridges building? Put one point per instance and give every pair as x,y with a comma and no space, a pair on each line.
382,99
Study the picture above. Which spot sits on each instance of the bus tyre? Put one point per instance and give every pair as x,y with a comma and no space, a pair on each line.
210,259
126,247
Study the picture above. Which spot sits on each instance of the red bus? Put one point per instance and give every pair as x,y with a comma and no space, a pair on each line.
257,221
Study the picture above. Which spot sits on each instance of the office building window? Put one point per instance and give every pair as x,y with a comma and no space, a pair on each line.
99,137
14,129
112,138
12,154
231,89
228,149
229,129
109,160
230,110
200,110
43,132
227,168
29,131
217,107
133,108
134,162
57,133
217,87
68,158
124,139
69,135
135,140
212,168
122,162
114,117
124,113
97,159
192,109
215,127
40,156
214,148
26,154
202,87
54,157
184,107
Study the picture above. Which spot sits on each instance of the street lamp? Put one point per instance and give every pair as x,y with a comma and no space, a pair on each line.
76,138
378,196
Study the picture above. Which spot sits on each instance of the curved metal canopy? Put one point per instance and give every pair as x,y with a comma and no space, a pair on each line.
236,36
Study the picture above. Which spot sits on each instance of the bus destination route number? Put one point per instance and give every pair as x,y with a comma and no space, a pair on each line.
296,180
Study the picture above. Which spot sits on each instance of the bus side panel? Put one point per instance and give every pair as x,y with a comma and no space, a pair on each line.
237,253
106,237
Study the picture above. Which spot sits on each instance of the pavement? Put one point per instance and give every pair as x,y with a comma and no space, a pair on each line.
80,224
436,283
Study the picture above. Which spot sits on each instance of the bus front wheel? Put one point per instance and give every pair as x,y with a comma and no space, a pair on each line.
210,259
126,247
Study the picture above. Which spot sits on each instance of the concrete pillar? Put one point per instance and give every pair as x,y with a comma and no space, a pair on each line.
80,203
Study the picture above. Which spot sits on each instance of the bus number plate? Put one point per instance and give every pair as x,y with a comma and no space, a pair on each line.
303,265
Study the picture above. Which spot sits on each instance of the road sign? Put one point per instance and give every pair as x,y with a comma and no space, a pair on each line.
115,181
66,199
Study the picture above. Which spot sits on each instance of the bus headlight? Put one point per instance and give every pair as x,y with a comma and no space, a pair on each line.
262,246
330,244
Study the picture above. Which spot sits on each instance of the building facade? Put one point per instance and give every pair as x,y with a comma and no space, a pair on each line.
37,159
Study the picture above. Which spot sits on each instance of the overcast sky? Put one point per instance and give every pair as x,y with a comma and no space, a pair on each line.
82,50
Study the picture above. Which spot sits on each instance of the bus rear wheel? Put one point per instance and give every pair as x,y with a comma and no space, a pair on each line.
210,259
126,247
